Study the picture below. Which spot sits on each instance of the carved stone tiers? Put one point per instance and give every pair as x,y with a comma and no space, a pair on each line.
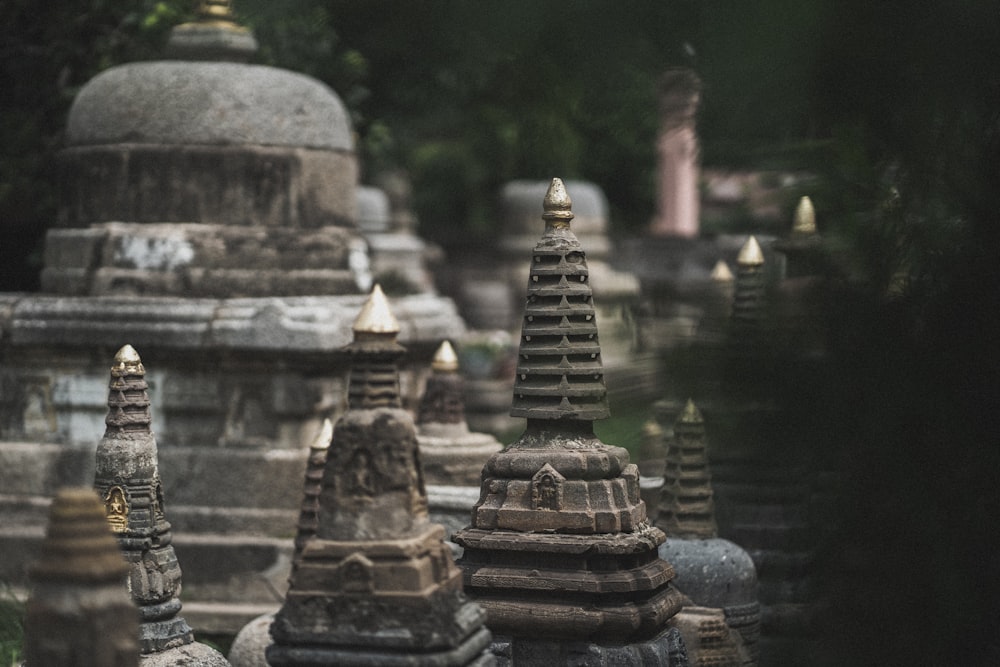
687,505
559,549
127,478
377,584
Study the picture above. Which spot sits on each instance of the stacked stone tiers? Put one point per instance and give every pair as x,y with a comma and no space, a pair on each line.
559,545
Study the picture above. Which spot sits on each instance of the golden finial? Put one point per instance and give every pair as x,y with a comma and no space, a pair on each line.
805,218
127,362
375,317
691,414
651,429
323,438
220,11
722,273
557,206
750,253
445,359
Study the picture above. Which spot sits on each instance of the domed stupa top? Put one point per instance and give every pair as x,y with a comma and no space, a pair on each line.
197,99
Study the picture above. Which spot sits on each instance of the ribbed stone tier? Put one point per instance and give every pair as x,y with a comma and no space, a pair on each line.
687,505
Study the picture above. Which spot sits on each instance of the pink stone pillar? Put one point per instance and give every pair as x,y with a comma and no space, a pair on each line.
677,205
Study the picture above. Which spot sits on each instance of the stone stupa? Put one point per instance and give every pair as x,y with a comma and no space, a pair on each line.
559,551
717,575
377,584
79,613
127,478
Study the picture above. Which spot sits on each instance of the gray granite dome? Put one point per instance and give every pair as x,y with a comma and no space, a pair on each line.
214,103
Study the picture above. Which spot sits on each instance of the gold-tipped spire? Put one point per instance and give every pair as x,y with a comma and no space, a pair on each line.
750,253
324,437
127,362
721,273
376,317
557,206
691,414
805,218
216,11
445,359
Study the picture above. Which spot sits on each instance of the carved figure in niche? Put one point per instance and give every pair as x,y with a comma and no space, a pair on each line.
546,489
158,502
116,508
360,474
356,575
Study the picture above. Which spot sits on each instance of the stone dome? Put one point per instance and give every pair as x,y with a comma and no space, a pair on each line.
207,103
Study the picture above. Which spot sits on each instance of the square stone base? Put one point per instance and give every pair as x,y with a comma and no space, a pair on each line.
665,650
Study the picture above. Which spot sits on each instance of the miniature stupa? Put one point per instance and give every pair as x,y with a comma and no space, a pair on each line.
803,247
311,489
376,584
687,507
652,458
79,613
127,478
715,574
452,455
748,296
559,552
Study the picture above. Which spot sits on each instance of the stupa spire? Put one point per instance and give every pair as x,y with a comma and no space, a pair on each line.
79,613
374,380
560,374
805,218
687,506
215,34
309,509
127,478
748,290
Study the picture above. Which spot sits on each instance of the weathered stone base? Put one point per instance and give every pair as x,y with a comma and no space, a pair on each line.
188,655
474,652
665,650
558,586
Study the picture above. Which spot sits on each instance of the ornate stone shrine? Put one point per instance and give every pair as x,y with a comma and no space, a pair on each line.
79,613
377,584
127,478
559,551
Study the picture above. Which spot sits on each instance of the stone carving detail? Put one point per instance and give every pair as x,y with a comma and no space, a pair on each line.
687,506
546,489
559,549
116,508
376,583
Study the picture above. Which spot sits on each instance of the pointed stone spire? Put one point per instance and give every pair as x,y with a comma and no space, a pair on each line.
687,506
374,379
805,218
560,550
451,454
215,34
560,374
721,273
79,613
127,478
376,584
443,401
748,293
309,510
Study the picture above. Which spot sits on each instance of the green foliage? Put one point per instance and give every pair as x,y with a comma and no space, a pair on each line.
11,627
